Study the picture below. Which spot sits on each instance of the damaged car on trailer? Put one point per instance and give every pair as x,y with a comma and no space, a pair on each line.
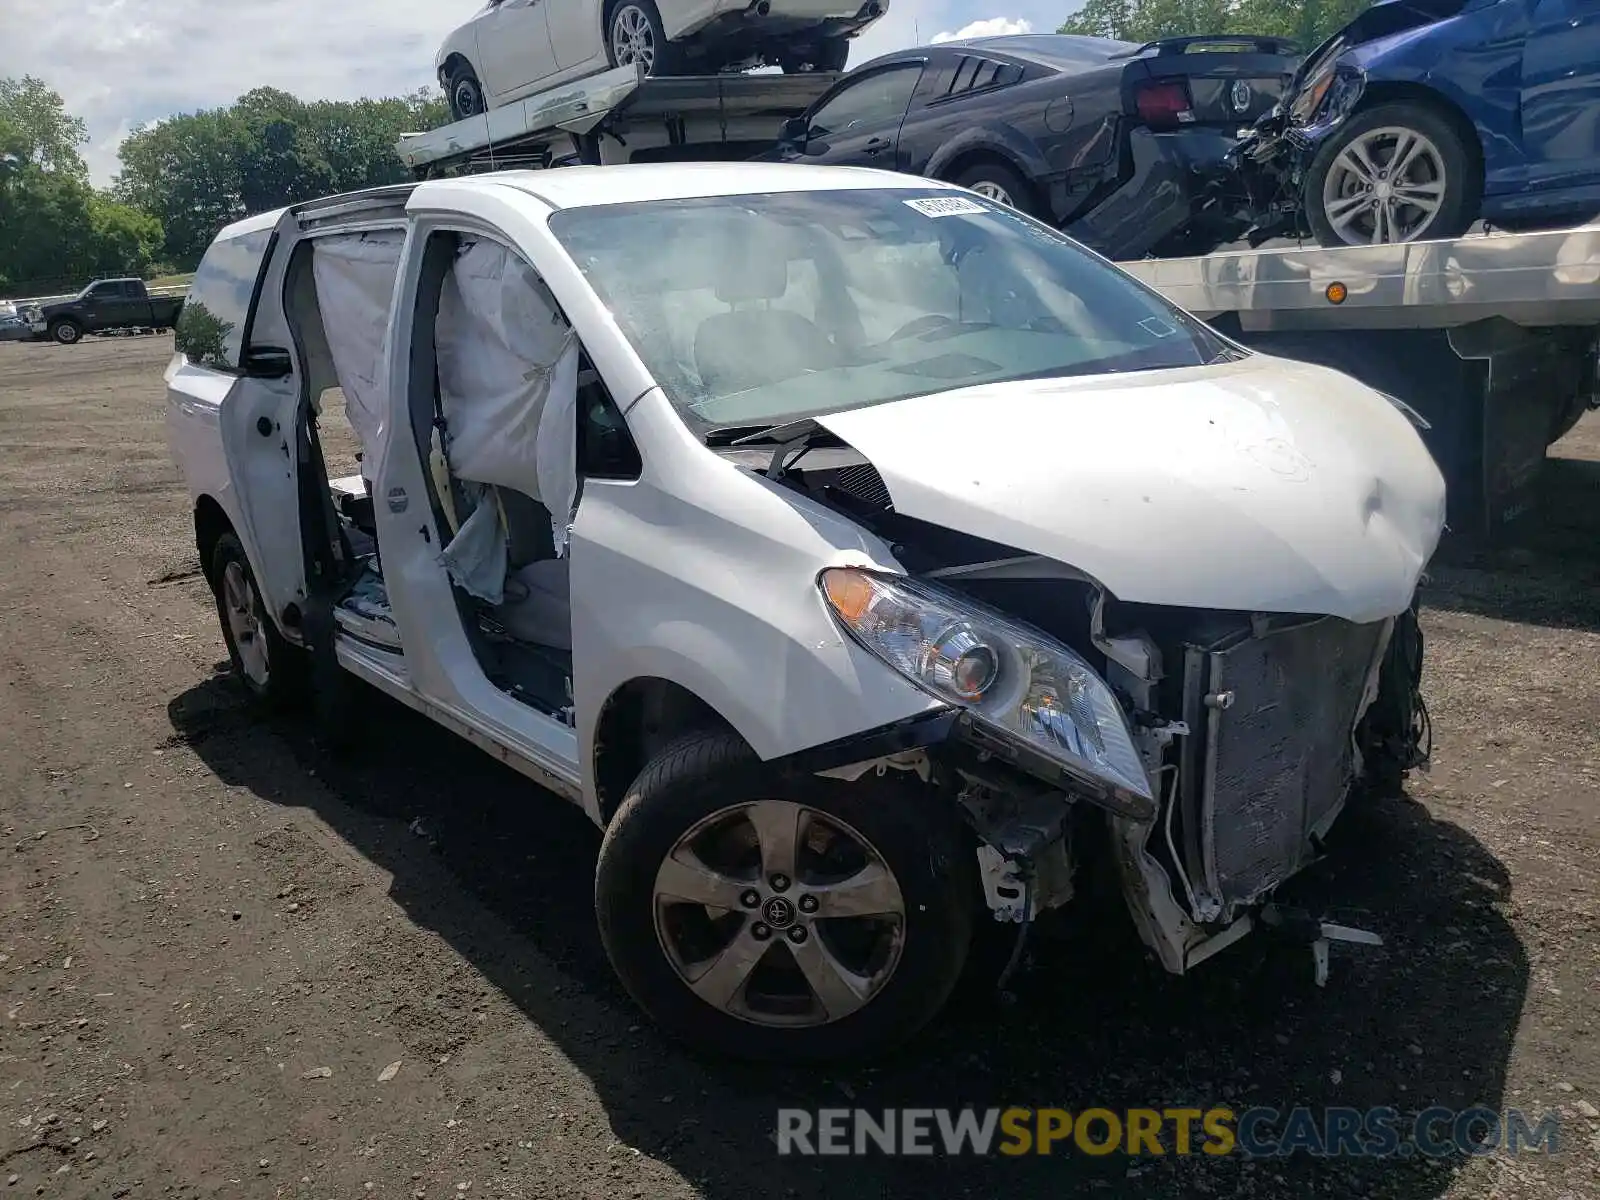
867,558
1420,117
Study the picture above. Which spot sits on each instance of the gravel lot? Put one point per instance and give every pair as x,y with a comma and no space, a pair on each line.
231,966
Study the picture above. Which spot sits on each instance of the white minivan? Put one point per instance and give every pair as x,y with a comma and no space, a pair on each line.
867,558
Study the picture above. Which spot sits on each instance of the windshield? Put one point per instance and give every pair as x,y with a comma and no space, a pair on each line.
756,310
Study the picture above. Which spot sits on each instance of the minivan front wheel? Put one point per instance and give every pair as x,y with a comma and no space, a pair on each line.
777,916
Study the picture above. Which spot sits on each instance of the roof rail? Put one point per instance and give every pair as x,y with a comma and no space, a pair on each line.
1180,45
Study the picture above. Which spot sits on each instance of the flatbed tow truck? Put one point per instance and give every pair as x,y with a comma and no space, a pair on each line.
1492,339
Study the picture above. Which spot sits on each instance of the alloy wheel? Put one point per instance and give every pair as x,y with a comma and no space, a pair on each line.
990,190
632,40
779,914
1387,185
245,624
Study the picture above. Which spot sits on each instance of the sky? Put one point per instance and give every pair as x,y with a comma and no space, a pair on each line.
120,63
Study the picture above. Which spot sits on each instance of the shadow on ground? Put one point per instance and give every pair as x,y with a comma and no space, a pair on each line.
1547,570
1427,1020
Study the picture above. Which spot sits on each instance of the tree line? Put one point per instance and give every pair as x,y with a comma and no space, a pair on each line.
1306,22
182,178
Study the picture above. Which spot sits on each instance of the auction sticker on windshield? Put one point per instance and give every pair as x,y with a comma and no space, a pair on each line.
946,206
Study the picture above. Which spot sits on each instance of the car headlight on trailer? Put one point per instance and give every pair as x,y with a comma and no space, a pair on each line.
1009,677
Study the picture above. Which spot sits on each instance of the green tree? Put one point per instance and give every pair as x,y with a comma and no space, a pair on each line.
36,128
1306,21
198,171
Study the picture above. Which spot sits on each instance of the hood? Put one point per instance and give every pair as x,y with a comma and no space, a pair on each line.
1263,485
1378,22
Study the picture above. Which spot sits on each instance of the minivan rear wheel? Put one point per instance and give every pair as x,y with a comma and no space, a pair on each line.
272,670
773,915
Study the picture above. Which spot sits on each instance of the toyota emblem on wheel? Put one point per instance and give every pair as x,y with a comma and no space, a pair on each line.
779,913
1240,95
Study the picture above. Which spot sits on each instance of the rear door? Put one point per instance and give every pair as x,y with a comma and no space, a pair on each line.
514,47
218,402
1561,92
859,124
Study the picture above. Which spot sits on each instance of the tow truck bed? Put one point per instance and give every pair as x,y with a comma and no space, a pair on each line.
622,116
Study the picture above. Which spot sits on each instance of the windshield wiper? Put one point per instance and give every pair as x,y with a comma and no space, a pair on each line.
799,435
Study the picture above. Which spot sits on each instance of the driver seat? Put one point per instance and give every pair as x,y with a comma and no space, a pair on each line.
755,344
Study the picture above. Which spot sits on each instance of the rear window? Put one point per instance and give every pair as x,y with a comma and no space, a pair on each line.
973,73
211,328
1066,52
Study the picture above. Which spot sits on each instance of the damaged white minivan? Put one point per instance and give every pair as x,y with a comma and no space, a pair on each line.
865,557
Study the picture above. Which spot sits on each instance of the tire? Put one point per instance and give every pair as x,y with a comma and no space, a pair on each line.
1443,160
466,93
272,670
997,181
634,32
918,846
66,332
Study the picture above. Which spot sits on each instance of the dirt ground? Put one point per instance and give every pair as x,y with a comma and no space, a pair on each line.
232,966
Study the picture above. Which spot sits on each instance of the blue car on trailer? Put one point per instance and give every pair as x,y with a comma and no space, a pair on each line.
1421,117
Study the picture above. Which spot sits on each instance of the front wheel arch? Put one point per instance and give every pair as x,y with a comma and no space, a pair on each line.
635,722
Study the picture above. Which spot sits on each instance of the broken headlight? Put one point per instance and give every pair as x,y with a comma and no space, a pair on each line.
1014,679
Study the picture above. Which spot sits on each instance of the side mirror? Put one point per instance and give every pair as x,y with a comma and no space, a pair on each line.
793,131
267,362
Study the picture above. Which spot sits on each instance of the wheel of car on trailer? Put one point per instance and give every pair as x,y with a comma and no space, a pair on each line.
996,181
634,34
1400,172
466,93
65,332
778,916
272,670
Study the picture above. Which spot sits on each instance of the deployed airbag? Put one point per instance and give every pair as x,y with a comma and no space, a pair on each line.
355,277
508,381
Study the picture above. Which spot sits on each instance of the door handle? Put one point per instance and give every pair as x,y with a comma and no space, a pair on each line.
876,145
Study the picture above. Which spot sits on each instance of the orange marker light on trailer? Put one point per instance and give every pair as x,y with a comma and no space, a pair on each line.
1336,293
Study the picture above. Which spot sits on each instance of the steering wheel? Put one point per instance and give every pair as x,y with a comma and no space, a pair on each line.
920,325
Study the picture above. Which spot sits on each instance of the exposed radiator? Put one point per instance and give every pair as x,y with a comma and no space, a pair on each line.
1273,716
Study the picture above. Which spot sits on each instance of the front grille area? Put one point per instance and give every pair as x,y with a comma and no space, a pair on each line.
1271,716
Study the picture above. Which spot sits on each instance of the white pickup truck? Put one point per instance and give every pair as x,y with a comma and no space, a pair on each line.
862,555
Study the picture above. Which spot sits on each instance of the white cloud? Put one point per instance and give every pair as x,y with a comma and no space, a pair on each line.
119,63
988,27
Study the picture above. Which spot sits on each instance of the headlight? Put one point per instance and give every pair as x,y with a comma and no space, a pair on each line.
1008,676
1306,103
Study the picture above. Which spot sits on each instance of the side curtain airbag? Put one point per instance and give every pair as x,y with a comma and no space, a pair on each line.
355,276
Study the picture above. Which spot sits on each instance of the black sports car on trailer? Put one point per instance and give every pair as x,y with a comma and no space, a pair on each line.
1121,144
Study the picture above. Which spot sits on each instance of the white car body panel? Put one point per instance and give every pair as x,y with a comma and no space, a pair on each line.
518,47
1263,485
745,628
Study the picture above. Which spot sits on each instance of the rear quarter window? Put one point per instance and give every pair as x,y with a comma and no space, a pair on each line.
211,327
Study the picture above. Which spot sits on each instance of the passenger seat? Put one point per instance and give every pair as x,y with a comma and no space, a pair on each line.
538,604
